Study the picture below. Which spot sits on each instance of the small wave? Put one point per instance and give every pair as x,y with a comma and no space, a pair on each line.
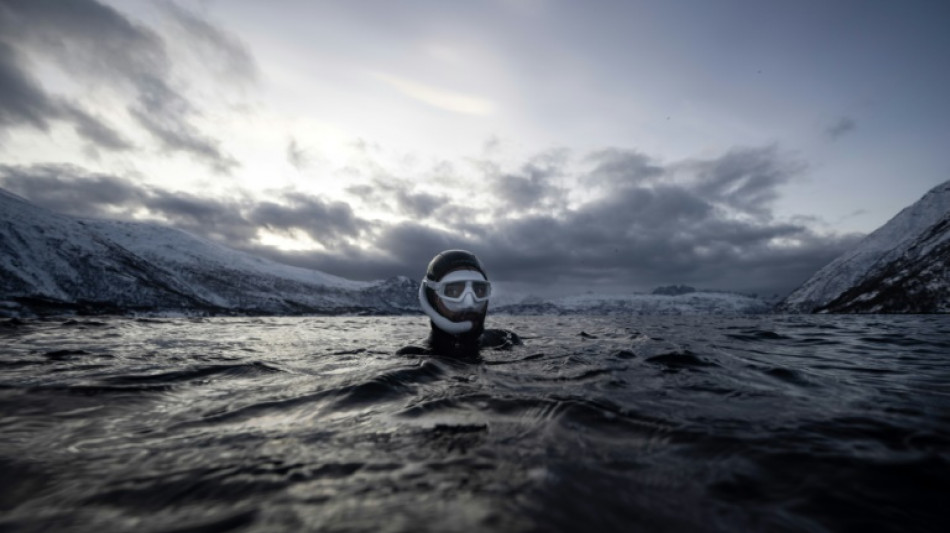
72,322
349,352
387,386
858,369
896,340
583,375
788,376
65,354
756,335
185,489
713,389
98,389
606,418
12,323
152,382
599,417
817,341
456,437
197,373
429,407
679,360
258,409
229,522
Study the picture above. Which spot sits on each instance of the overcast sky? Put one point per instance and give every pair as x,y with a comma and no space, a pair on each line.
598,145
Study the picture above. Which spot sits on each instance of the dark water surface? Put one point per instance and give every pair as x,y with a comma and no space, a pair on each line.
799,423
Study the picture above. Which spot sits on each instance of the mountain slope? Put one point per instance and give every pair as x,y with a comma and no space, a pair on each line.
917,282
55,263
901,267
693,303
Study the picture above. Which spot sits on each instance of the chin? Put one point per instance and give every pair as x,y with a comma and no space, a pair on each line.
476,317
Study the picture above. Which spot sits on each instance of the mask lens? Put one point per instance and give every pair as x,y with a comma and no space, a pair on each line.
453,289
481,289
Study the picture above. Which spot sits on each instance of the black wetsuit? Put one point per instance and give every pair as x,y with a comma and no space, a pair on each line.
465,345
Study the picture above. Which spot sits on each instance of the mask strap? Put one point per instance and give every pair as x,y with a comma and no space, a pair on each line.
446,325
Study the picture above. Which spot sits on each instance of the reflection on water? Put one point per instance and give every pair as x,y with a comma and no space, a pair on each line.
611,424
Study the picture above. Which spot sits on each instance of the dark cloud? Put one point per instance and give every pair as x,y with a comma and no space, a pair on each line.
23,102
83,34
355,263
399,197
162,115
71,190
842,127
96,132
366,192
217,219
97,44
707,223
409,241
614,167
419,205
219,51
534,186
326,222
746,179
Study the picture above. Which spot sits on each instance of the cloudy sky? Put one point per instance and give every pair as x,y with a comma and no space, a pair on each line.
603,145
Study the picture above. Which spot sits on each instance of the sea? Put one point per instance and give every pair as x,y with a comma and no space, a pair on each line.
620,423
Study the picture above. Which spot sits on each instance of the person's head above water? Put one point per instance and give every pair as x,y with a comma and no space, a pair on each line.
454,293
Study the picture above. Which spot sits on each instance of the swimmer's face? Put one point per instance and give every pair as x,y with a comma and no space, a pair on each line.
468,308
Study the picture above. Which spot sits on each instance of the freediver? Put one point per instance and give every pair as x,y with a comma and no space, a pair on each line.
454,294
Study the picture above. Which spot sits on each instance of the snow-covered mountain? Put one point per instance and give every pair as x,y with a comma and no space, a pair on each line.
902,267
692,303
52,263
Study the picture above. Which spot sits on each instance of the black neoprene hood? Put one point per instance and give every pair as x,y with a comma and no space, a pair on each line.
450,260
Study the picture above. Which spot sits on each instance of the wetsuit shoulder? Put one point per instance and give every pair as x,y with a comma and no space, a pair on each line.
500,339
413,349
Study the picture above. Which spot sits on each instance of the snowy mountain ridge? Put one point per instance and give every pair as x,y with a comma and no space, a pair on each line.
693,303
902,261
52,263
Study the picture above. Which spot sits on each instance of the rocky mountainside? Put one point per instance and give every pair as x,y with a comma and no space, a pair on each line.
902,267
52,263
